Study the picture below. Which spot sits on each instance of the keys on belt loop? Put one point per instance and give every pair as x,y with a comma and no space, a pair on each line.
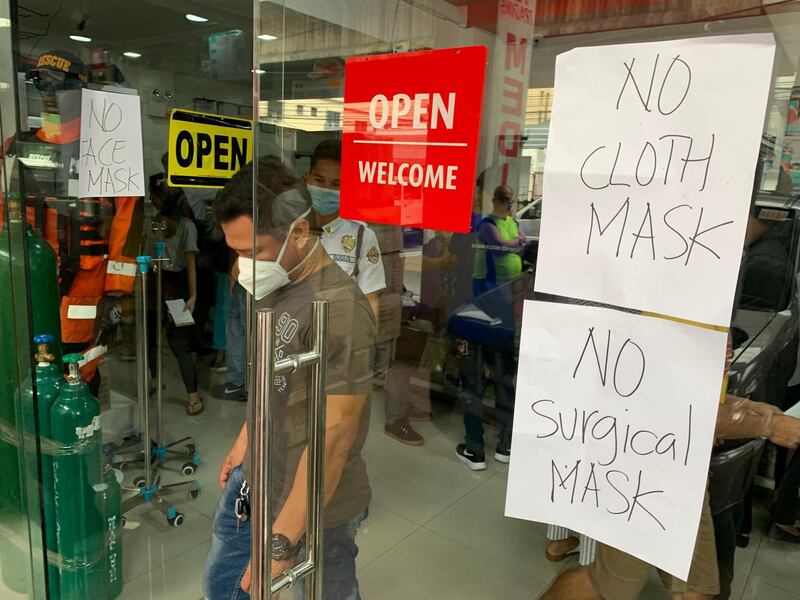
242,504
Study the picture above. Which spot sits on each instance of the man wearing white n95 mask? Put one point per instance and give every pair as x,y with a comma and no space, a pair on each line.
286,270
351,244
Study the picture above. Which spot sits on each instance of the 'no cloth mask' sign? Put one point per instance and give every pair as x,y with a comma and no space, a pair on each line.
650,166
410,140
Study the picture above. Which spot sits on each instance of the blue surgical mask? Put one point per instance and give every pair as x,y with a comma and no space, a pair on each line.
324,201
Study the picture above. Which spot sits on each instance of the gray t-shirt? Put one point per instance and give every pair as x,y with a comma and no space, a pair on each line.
184,240
351,340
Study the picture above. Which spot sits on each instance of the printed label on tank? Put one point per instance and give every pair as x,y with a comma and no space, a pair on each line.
83,433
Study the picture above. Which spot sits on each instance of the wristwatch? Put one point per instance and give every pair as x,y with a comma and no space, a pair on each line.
282,548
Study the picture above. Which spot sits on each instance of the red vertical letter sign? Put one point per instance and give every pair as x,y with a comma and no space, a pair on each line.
410,140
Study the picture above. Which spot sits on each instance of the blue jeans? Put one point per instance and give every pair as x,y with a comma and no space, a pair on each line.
236,342
473,383
230,553
481,286
220,339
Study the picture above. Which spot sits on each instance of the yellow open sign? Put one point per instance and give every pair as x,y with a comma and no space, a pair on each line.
206,150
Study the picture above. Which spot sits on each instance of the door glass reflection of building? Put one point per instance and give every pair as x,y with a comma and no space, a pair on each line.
193,96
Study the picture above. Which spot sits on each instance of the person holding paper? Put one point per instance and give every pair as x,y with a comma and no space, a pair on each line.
180,283
498,260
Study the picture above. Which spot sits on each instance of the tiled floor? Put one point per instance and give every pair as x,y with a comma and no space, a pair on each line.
435,529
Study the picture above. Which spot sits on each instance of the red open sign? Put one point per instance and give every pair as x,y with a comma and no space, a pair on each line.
410,140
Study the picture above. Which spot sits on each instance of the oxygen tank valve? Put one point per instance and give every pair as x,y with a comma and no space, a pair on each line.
74,374
144,263
43,348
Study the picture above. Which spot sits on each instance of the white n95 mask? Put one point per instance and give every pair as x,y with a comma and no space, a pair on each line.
262,277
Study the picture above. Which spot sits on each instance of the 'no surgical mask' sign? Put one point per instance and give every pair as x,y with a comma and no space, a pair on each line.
613,426
649,173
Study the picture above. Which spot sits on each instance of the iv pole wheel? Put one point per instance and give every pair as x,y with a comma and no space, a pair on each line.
195,493
190,450
175,521
139,482
188,469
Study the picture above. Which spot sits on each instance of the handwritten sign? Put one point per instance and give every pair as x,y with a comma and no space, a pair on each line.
613,427
111,145
650,167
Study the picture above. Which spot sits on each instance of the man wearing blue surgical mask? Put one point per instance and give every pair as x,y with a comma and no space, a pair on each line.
351,244
285,270
354,247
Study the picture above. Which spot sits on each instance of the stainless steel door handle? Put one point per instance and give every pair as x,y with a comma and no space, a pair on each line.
267,368
261,513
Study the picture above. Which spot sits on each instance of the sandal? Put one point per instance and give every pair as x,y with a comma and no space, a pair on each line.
571,549
195,408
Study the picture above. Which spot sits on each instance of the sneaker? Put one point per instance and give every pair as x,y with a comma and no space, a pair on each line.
502,455
227,391
218,366
403,432
418,415
474,459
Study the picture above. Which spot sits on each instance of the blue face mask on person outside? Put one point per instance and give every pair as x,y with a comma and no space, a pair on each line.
324,201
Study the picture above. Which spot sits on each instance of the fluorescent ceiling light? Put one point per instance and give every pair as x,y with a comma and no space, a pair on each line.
267,37
80,38
132,54
195,18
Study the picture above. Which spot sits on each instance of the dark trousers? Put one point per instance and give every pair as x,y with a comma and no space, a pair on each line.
784,511
181,340
502,366
726,524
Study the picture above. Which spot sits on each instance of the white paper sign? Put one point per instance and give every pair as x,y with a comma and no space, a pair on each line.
613,427
650,166
111,145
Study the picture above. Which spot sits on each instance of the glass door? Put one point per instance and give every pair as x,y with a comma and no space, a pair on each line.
414,497
115,494
221,216
22,562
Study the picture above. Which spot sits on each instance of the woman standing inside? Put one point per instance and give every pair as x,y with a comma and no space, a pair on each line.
180,282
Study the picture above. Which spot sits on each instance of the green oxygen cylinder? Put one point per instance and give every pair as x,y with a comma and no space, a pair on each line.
48,386
46,316
112,503
9,382
43,284
77,460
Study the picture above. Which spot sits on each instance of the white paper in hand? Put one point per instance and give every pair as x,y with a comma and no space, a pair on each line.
177,311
